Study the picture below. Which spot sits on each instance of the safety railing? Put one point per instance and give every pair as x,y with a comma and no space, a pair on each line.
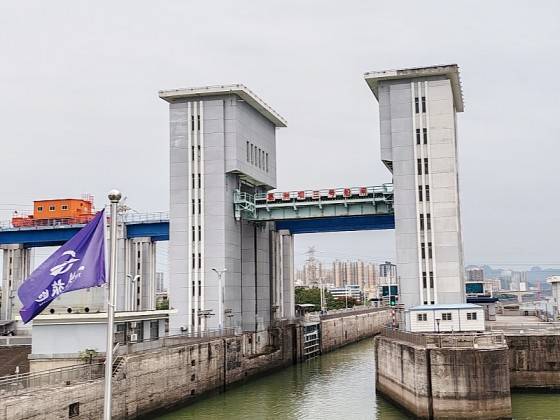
16,340
63,376
325,194
475,340
525,327
129,218
173,340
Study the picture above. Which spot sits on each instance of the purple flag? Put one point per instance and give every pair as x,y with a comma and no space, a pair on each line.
78,264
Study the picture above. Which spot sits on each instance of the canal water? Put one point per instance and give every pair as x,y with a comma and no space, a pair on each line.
338,385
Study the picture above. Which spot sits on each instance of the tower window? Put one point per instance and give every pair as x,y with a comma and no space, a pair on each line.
252,154
428,221
192,182
198,121
424,279
420,198
192,122
427,193
267,162
425,132
423,250
248,156
421,222
416,106
199,181
419,166
426,165
429,250
417,136
423,104
432,279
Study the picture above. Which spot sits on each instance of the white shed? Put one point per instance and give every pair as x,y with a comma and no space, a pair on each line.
445,318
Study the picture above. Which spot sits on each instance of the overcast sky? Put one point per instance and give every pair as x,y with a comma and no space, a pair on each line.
80,111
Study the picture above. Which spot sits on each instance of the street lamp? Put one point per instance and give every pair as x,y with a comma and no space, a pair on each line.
220,273
129,295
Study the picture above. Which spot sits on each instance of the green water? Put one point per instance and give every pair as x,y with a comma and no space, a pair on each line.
338,385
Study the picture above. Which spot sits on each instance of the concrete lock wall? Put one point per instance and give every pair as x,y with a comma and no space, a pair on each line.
171,376
345,329
161,379
534,361
444,383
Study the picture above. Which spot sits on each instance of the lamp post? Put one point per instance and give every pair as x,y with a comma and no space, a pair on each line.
220,274
129,301
114,198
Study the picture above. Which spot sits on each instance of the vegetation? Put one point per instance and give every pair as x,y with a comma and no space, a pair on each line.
162,304
313,296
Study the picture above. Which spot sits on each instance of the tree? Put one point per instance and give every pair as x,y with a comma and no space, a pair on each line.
313,296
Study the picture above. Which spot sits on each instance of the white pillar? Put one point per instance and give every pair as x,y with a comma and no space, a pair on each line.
16,269
140,256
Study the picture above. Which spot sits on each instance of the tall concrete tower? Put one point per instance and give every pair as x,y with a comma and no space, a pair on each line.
222,140
417,109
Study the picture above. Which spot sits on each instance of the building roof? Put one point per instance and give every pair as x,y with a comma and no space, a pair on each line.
445,306
241,91
451,71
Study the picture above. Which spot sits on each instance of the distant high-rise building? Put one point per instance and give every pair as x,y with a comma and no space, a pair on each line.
160,286
475,274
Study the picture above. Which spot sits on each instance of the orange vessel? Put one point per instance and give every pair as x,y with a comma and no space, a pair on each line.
67,211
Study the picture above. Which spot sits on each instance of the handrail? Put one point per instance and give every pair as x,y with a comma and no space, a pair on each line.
127,218
326,193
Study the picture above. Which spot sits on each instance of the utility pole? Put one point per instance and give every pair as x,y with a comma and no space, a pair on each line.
220,274
114,198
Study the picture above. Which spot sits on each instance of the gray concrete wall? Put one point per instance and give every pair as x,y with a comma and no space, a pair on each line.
534,361
349,328
444,383
161,379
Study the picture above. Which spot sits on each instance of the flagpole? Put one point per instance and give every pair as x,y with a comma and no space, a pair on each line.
114,198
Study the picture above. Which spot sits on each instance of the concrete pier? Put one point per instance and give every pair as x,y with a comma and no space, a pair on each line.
435,379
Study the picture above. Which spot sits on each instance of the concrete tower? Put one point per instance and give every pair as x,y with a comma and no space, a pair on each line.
417,109
222,139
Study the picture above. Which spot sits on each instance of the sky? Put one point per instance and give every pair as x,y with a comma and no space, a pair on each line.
80,111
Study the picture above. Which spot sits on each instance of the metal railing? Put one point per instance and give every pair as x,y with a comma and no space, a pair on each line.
154,217
413,338
478,340
326,194
173,340
68,375
128,218
525,327
21,340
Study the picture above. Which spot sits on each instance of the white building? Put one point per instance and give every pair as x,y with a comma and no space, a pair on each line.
555,284
445,318
417,109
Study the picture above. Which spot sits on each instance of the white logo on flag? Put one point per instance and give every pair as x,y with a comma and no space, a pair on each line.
66,265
